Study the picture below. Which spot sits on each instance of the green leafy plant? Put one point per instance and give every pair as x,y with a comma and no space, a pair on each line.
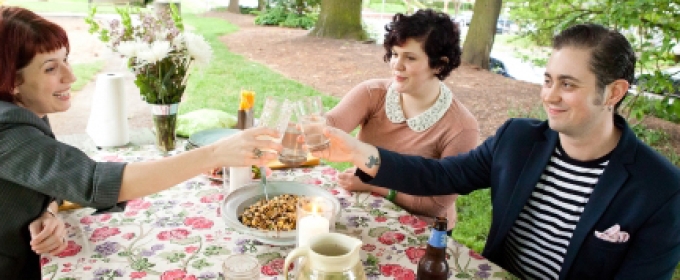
652,27
289,13
158,50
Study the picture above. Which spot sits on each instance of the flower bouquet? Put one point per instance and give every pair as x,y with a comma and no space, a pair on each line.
160,53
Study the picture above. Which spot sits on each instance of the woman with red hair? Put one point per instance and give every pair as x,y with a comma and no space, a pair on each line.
36,169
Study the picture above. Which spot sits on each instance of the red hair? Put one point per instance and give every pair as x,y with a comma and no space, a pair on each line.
23,35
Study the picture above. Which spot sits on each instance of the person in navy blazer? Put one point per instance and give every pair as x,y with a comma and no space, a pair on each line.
637,194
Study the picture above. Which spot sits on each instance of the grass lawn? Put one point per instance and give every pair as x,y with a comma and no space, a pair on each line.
85,72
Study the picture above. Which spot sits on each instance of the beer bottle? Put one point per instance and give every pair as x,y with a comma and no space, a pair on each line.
433,265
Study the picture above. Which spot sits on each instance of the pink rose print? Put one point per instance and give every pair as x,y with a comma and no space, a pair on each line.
190,249
329,171
87,220
418,230
334,192
275,267
71,250
419,224
128,235
407,219
198,222
475,255
388,269
381,219
391,237
103,233
268,270
131,213
103,217
138,204
137,275
368,247
414,254
212,198
44,261
404,274
174,234
177,274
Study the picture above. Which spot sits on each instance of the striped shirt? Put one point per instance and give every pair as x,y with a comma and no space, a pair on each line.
538,240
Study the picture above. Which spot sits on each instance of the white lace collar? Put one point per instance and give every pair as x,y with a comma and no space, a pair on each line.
424,120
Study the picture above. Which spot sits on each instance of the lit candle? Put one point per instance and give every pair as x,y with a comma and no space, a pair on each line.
310,226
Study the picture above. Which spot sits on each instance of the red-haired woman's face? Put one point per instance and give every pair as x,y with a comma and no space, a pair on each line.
46,83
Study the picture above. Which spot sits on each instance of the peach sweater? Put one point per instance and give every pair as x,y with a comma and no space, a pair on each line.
456,132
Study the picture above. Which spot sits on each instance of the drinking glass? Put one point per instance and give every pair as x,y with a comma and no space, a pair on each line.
293,154
314,217
312,122
276,114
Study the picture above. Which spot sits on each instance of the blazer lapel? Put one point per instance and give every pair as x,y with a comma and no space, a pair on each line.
531,173
610,182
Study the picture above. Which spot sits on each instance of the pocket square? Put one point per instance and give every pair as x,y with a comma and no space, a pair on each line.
613,234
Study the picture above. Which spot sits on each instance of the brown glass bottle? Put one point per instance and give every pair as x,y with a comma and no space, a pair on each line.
433,265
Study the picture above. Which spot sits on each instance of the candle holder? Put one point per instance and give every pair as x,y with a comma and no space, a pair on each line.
314,217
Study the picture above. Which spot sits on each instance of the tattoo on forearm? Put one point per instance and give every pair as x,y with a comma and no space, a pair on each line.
373,161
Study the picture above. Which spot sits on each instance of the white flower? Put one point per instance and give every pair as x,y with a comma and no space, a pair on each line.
127,48
178,42
198,48
153,53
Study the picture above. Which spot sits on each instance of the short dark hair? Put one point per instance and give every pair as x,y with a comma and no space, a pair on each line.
611,56
439,35
24,34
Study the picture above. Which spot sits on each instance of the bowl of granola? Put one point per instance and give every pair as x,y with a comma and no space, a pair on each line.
270,221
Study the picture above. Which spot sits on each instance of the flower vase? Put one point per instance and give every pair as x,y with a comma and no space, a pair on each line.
165,123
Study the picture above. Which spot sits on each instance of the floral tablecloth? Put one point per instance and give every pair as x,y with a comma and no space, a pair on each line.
179,234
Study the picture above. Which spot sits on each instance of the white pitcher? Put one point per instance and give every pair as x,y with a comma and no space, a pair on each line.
328,256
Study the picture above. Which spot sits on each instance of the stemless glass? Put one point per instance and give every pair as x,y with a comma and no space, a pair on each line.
312,122
276,114
293,154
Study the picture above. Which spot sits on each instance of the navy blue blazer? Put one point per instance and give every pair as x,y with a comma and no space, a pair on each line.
639,190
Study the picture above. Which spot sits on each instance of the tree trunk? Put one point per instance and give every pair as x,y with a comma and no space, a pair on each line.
340,19
457,5
233,7
480,35
446,6
261,5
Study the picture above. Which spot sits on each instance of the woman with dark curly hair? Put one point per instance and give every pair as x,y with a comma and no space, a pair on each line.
413,112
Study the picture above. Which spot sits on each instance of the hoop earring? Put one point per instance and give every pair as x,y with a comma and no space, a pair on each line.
610,108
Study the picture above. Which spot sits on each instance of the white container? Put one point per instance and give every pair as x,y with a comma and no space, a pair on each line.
238,178
108,123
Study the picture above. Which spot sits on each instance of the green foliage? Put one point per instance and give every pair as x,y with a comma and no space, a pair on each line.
289,13
272,16
474,219
663,108
218,86
652,27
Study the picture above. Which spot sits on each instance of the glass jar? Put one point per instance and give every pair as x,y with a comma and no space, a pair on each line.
241,267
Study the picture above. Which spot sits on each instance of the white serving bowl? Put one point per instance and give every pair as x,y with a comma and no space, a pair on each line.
237,201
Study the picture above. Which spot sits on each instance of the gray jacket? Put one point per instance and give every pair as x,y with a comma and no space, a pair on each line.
35,169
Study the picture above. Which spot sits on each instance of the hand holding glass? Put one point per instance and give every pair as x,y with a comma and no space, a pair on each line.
312,123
